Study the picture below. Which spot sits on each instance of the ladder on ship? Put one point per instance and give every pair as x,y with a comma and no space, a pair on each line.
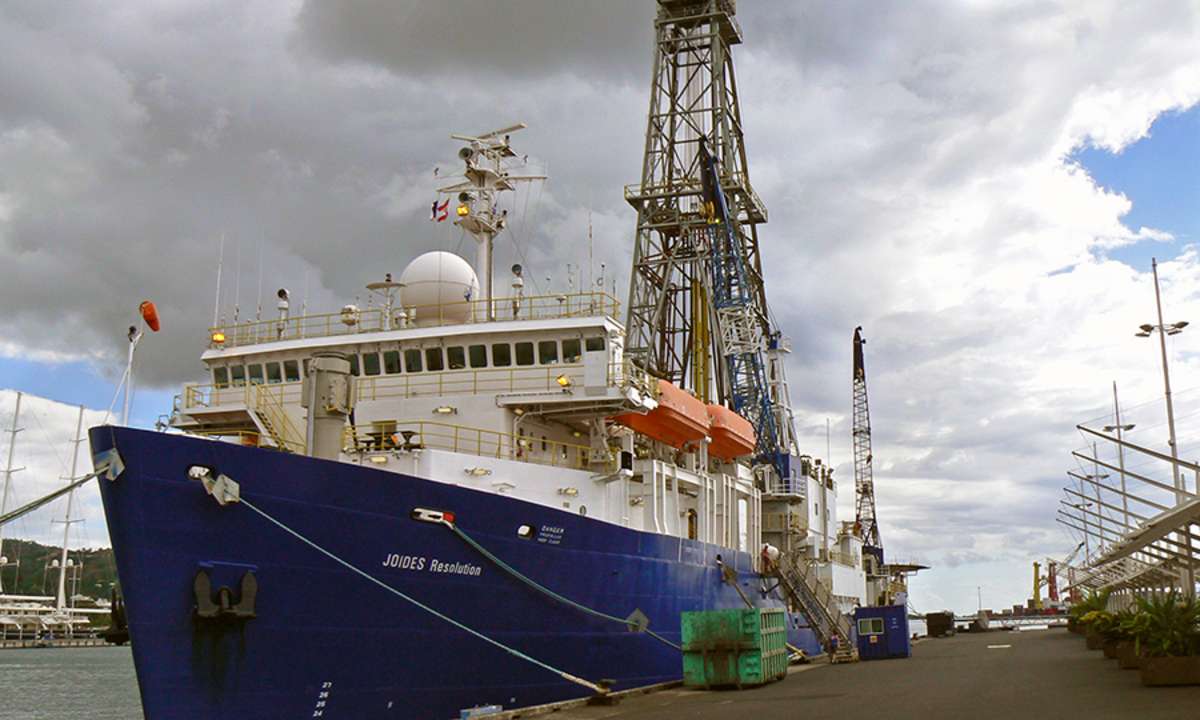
798,578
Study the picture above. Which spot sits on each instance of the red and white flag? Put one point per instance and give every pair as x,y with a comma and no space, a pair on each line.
439,212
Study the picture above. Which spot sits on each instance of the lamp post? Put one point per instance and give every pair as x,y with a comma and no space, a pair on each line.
1119,428
1189,578
1163,331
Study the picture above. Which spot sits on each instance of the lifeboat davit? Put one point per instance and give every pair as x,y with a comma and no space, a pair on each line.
678,419
732,435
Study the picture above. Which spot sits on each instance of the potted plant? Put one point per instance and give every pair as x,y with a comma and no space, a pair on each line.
1112,632
1096,622
1134,626
1094,601
1172,640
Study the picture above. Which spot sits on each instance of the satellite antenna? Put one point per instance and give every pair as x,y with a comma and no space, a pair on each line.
387,289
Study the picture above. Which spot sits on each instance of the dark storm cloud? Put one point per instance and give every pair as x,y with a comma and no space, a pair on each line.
494,41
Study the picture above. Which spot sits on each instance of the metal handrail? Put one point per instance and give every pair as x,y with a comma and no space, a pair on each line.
389,435
533,378
270,406
366,320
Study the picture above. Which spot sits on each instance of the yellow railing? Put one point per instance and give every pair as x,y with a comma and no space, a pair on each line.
540,378
269,401
389,435
364,320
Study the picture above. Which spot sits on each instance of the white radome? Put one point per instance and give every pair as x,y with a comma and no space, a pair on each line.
438,289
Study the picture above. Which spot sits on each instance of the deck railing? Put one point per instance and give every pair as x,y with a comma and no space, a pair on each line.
376,319
540,378
396,434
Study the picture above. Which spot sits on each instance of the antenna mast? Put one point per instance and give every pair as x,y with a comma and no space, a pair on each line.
484,177
864,481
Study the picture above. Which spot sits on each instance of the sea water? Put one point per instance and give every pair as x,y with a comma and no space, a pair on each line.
88,683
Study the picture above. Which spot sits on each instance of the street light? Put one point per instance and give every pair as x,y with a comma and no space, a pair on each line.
1163,331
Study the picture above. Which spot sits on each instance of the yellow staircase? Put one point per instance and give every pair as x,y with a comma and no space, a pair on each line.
798,578
271,417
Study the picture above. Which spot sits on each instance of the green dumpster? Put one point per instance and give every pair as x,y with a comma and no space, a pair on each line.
734,648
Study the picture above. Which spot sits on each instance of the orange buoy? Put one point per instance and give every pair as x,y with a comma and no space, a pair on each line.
732,435
678,419
149,314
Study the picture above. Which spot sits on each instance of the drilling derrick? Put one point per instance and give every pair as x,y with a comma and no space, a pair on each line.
864,482
697,309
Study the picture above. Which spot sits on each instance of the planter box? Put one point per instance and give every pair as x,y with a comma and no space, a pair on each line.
1073,625
1157,671
1127,659
1095,641
1110,649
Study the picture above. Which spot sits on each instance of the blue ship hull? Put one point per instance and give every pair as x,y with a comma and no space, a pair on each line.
328,643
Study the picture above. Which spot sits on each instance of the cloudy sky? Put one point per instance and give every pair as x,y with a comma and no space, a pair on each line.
980,185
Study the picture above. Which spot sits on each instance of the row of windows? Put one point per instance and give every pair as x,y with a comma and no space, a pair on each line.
394,362
271,373
460,357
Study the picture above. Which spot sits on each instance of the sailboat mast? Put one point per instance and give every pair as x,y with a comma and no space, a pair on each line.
8,473
62,565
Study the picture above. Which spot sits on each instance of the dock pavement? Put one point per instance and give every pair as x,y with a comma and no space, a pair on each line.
978,676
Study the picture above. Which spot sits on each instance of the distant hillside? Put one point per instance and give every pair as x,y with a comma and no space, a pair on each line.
34,576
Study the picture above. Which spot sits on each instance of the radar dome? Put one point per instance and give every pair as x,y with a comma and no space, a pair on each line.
438,289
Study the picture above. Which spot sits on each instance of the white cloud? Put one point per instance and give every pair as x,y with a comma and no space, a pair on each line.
914,157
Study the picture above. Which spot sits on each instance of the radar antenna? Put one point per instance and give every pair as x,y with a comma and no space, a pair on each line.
485,176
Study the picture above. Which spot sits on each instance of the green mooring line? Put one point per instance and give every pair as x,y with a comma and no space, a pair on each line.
541,588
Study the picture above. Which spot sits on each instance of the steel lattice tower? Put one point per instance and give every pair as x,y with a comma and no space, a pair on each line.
672,327
864,481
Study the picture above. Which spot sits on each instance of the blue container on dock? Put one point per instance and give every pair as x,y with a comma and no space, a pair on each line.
882,632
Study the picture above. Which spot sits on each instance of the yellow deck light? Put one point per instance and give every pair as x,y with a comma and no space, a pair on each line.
463,211
218,337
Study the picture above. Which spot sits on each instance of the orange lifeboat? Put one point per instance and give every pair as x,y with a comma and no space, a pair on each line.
678,419
732,435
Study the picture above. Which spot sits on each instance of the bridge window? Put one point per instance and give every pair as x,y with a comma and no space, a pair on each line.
237,374
412,360
571,350
456,357
370,363
355,370
221,377
595,343
501,355
433,359
548,352
391,362
478,355
256,374
291,370
525,353
274,376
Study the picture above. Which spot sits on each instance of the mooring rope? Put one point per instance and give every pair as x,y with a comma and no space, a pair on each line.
543,589
512,651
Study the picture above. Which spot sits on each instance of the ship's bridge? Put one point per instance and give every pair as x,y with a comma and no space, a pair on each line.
557,357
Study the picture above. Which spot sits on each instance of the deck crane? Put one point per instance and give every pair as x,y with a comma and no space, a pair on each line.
864,480
742,345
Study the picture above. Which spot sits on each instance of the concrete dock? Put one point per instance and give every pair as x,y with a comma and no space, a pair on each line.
1019,675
